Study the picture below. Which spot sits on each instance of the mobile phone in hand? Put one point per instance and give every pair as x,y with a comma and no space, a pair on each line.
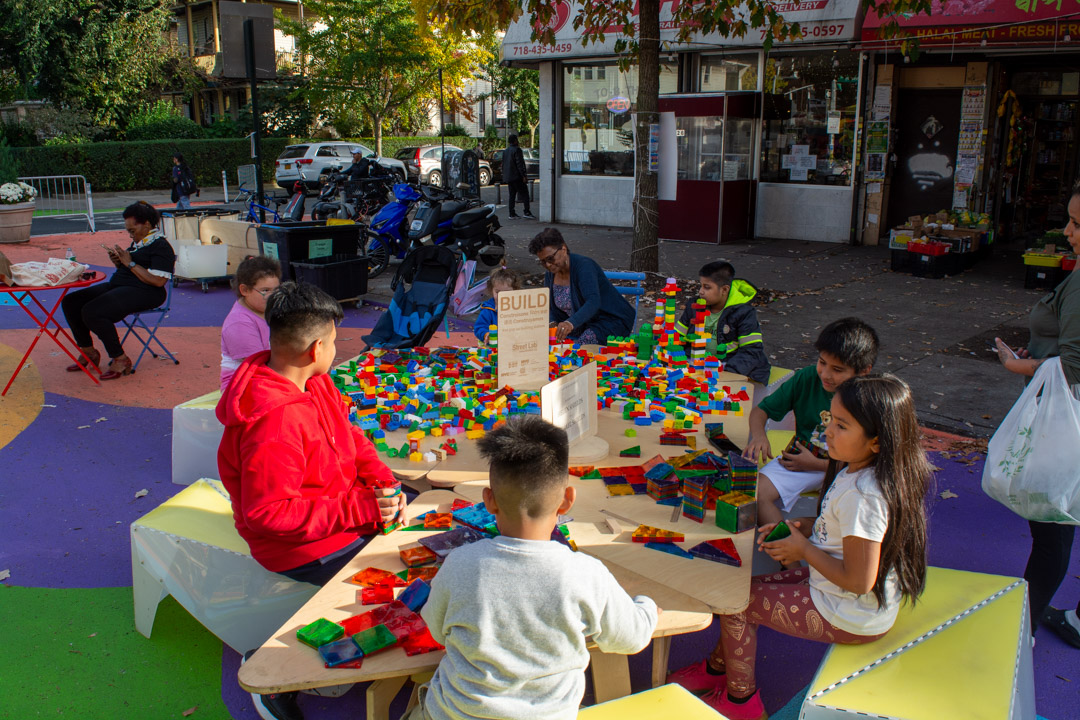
994,348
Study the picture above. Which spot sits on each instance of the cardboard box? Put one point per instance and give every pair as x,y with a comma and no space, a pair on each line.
238,236
900,237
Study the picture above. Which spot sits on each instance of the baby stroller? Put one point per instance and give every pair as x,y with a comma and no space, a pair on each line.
414,315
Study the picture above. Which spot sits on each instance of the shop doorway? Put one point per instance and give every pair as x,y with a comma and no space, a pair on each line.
927,133
716,137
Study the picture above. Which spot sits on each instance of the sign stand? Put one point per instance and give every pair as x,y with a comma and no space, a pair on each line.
570,403
522,338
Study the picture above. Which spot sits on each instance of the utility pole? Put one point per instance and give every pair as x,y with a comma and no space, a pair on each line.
256,144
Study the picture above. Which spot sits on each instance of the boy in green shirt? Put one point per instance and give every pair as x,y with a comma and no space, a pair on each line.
731,320
846,348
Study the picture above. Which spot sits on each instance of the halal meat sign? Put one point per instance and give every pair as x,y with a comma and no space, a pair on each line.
618,104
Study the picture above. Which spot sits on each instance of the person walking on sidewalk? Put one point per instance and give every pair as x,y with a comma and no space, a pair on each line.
183,183
515,174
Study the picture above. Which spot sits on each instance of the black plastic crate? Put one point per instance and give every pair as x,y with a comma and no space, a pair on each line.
344,277
1042,277
901,260
934,266
302,241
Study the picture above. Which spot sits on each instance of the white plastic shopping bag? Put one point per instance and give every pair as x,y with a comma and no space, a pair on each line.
468,292
57,271
1033,460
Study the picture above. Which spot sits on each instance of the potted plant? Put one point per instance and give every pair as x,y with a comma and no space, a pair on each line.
16,211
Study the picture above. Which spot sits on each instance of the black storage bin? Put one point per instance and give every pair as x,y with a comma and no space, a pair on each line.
901,260
301,241
934,266
1042,277
344,277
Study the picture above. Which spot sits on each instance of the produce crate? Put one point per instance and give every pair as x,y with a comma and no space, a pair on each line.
901,260
932,248
934,266
344,276
1068,264
1041,276
291,243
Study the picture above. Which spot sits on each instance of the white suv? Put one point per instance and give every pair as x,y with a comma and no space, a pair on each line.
314,158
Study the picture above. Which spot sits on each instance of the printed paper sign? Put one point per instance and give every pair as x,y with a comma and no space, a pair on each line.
323,247
523,338
570,403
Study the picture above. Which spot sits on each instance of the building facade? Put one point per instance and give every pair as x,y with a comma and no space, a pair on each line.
822,138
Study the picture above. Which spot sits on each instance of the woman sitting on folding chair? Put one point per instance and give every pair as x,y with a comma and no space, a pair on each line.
142,271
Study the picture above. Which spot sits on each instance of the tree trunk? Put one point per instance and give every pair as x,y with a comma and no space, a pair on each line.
376,130
644,255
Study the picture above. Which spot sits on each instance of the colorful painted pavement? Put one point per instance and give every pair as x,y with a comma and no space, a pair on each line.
75,455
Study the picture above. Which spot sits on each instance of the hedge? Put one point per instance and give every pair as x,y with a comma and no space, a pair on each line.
145,165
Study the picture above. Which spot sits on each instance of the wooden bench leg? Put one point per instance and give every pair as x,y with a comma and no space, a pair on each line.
380,694
610,674
661,652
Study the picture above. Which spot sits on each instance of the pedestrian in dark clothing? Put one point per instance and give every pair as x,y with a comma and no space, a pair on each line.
183,183
515,175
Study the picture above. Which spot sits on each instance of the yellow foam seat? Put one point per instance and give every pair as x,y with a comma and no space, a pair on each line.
196,434
188,547
963,651
667,701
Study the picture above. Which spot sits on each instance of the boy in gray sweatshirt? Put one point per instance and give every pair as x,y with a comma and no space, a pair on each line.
515,612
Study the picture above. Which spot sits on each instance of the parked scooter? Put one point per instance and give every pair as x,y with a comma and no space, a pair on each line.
387,235
465,225
330,204
294,210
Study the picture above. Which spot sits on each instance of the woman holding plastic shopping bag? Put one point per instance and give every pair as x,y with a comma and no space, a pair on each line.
1033,461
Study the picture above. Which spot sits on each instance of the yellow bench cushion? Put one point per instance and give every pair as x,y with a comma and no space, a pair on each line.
667,701
964,636
200,512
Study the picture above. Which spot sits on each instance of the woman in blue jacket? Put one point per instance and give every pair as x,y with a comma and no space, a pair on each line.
585,306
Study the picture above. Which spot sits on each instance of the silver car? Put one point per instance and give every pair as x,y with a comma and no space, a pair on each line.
314,158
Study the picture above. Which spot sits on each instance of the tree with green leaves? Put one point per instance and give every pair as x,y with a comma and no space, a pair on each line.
107,57
368,59
637,26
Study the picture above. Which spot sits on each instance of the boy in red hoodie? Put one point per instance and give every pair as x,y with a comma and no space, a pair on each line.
307,487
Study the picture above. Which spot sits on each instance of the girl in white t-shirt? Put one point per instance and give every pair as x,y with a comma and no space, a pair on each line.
866,550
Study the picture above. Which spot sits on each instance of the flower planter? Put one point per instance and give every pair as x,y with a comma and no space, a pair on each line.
15,222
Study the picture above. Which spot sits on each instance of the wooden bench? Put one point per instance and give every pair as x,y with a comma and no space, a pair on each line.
963,651
188,547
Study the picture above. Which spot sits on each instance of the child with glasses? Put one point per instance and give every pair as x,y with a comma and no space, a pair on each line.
244,331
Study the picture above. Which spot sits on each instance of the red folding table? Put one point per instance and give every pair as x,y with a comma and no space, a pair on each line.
23,295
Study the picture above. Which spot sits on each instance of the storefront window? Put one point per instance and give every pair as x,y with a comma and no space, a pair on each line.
598,106
810,108
725,73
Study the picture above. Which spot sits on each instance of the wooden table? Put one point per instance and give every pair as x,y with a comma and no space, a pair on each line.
27,299
722,588
283,663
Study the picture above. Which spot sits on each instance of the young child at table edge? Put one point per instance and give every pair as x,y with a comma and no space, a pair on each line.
245,331
307,487
732,321
515,611
846,348
866,550
502,278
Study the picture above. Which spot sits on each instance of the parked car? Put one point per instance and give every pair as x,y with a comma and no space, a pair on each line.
315,158
532,164
424,162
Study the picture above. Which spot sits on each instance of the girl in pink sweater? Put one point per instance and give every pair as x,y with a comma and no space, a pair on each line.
244,332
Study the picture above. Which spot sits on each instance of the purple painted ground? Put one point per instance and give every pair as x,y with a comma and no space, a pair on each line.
68,494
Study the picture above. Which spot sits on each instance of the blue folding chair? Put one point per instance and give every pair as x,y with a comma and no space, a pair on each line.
636,290
136,321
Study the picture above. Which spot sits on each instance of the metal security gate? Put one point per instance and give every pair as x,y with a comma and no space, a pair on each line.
63,196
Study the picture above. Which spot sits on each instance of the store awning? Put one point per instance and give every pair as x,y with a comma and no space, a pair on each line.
1000,23
821,21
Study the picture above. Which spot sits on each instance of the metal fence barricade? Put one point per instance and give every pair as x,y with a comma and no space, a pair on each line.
62,196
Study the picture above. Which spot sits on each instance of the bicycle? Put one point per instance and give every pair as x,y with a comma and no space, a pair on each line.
252,215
